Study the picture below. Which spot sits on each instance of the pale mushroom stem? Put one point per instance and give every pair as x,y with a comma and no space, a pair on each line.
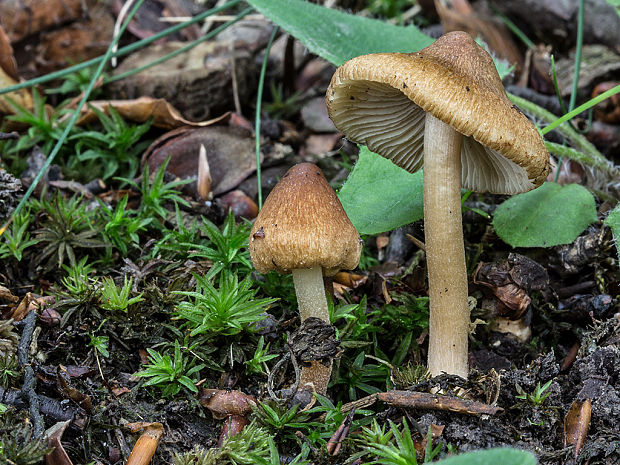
445,250
312,303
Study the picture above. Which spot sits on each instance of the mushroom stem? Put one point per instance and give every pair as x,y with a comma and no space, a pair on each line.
311,293
445,250
312,303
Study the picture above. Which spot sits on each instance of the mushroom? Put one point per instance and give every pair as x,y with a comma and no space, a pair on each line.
303,229
443,107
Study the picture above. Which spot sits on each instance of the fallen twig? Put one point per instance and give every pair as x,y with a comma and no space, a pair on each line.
28,393
425,400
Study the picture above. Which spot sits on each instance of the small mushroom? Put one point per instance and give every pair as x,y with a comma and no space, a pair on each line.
443,107
302,229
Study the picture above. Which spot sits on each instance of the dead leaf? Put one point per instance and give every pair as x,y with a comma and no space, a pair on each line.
87,37
58,456
576,424
119,391
511,281
20,312
65,388
230,149
141,109
204,176
458,15
350,280
608,110
25,17
7,294
149,21
240,203
9,77
7,60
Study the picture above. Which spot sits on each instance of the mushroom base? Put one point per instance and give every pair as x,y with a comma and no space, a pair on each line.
312,302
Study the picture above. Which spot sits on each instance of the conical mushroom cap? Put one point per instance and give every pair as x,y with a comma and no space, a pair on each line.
381,100
303,225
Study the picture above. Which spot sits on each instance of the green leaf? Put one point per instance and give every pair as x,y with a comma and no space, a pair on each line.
547,216
379,196
613,221
337,36
505,456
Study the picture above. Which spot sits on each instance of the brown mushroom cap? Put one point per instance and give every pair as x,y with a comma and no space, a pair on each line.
380,100
303,225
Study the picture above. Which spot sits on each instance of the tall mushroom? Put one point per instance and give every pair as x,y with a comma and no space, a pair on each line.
443,107
303,229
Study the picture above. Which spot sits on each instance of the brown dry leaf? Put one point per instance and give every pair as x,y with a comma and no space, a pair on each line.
86,38
58,456
511,281
21,310
458,15
608,110
230,150
240,203
63,384
7,294
350,280
9,77
7,60
26,17
141,109
204,176
576,424
119,391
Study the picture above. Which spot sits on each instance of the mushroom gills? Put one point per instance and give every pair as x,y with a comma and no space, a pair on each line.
388,122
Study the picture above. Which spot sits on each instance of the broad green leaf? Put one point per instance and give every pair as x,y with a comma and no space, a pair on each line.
547,216
379,196
337,36
503,456
613,221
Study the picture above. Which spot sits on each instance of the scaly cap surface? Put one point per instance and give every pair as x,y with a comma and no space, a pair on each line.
303,225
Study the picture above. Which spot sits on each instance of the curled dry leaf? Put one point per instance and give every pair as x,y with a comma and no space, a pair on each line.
141,109
511,281
349,279
6,294
240,203
204,176
458,15
58,455
63,384
7,60
335,442
224,403
230,152
27,17
608,110
147,443
81,40
9,77
576,424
